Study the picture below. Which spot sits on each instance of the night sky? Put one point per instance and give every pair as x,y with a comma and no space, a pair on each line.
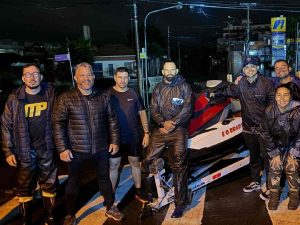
110,20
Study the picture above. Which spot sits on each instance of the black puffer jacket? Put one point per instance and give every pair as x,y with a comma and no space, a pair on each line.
172,102
84,124
254,98
280,131
15,135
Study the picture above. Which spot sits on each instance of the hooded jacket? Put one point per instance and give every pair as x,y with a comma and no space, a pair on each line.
172,101
15,133
84,124
280,131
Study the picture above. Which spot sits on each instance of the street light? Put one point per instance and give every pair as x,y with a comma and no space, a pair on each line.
178,6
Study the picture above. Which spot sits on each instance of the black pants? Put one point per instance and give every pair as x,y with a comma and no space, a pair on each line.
259,160
100,161
176,142
41,168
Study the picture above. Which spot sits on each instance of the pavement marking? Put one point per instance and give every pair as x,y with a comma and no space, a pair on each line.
94,210
193,214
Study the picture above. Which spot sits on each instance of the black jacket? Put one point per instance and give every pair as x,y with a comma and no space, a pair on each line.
15,134
172,102
84,124
280,131
254,98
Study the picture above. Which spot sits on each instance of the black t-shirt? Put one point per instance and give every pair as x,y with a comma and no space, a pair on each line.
127,106
36,115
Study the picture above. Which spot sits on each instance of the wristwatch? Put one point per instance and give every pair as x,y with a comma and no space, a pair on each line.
147,132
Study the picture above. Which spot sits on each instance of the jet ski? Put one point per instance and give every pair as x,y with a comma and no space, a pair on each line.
216,125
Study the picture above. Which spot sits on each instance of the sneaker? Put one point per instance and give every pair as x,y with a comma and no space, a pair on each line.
114,213
265,195
70,220
140,195
178,212
252,187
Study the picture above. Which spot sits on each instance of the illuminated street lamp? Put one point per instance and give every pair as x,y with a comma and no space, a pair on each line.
178,6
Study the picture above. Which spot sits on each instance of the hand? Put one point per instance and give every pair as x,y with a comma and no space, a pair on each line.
66,155
145,142
163,131
276,162
169,125
113,149
237,80
11,160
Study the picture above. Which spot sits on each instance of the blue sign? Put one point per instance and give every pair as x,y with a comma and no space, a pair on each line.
62,57
278,38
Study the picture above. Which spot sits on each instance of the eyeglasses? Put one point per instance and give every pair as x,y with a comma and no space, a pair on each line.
34,74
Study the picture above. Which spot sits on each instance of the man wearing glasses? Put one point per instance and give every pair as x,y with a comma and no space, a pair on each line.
27,141
171,109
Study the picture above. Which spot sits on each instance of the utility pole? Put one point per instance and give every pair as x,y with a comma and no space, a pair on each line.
179,55
248,6
137,46
297,47
169,50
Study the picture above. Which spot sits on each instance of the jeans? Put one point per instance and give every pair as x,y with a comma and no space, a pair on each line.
100,161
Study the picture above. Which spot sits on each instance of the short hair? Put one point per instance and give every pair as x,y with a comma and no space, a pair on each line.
287,86
168,61
281,60
31,64
121,69
84,64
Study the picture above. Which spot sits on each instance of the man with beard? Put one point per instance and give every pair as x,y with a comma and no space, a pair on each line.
171,109
255,93
86,130
27,141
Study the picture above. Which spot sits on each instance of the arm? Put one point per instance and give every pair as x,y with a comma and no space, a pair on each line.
113,127
60,120
269,141
154,107
144,121
295,148
7,128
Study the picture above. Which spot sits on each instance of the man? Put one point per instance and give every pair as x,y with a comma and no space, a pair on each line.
283,76
28,145
255,93
84,124
130,109
171,109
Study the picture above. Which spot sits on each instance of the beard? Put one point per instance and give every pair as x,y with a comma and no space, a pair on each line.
170,78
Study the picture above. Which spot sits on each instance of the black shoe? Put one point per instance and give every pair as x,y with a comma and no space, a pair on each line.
178,212
70,220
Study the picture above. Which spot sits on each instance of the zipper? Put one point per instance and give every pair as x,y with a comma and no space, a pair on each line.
90,125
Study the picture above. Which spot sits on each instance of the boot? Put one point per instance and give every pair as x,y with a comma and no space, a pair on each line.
294,200
274,200
49,204
25,209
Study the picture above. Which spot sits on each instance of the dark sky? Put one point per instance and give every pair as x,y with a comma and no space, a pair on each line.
109,20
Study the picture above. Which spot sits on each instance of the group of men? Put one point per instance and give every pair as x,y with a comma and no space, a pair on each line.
85,124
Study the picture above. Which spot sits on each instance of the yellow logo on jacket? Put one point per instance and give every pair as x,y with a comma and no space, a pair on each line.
35,109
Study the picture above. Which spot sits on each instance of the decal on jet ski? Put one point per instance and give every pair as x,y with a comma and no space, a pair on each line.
231,130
